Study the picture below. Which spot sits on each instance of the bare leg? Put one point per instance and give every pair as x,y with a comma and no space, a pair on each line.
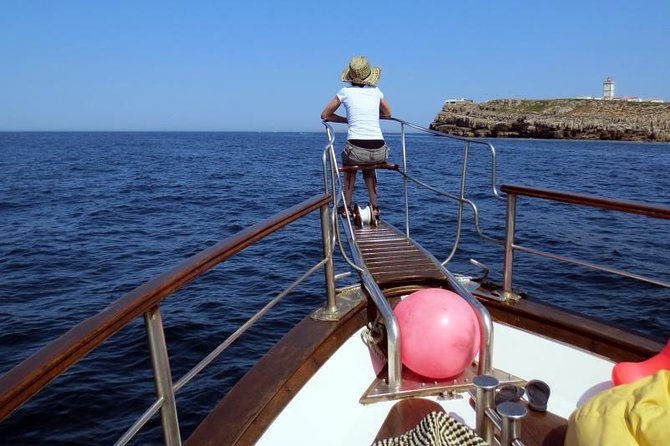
349,183
370,177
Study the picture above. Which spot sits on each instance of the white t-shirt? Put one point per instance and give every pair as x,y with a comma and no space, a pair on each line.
362,106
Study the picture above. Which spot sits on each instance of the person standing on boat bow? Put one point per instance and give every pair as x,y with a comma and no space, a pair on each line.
364,104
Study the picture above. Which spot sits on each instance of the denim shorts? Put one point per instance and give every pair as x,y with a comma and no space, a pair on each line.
354,155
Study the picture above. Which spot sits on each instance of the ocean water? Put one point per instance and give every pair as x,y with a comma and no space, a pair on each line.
87,217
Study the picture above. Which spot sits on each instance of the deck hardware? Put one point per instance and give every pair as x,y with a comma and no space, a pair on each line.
343,275
484,268
415,386
472,283
511,414
347,299
450,395
485,399
504,418
506,296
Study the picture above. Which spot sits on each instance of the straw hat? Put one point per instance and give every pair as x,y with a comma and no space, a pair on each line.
359,71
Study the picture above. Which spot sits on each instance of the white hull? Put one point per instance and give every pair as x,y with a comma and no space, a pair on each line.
574,376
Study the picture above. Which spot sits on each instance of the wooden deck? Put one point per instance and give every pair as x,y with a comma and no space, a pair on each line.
392,258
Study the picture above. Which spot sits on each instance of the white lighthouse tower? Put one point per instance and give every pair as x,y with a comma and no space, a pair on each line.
608,88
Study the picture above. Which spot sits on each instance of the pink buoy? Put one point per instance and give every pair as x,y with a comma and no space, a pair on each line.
439,333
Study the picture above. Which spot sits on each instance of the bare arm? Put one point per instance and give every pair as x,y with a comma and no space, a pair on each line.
384,109
328,113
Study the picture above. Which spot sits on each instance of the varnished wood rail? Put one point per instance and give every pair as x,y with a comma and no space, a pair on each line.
26,379
588,200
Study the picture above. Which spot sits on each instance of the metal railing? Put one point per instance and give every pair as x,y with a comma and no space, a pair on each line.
490,418
29,377
332,182
333,185
460,198
504,194
628,207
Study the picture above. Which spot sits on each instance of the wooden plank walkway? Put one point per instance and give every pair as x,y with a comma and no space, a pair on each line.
392,258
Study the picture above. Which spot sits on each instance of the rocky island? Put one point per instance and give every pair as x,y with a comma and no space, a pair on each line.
557,119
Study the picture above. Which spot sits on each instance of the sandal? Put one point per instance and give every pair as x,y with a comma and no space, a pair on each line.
537,393
509,393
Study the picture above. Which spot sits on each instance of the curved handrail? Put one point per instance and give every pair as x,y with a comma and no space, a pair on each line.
386,312
462,201
507,193
26,379
465,139
471,204
329,162
392,328
459,198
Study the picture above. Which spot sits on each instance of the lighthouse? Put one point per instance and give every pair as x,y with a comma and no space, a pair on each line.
608,88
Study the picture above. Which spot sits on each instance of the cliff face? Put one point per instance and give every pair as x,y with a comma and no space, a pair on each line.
557,119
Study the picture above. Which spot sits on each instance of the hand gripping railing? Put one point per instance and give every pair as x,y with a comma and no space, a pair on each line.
28,378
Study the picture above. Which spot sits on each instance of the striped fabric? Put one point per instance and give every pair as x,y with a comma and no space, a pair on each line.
436,429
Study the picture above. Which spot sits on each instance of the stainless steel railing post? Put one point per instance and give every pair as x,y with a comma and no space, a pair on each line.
162,376
509,244
461,203
392,331
405,179
485,365
329,270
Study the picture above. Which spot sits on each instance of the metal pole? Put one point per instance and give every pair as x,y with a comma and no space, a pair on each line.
392,331
485,399
405,179
162,376
509,244
485,366
329,270
461,203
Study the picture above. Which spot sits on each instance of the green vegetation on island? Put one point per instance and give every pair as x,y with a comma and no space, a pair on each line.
557,119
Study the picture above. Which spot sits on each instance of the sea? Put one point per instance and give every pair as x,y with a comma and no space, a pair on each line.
85,217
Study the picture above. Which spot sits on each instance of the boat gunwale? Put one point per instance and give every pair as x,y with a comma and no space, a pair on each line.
240,420
248,409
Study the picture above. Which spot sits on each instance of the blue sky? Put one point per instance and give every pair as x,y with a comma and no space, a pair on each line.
273,65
